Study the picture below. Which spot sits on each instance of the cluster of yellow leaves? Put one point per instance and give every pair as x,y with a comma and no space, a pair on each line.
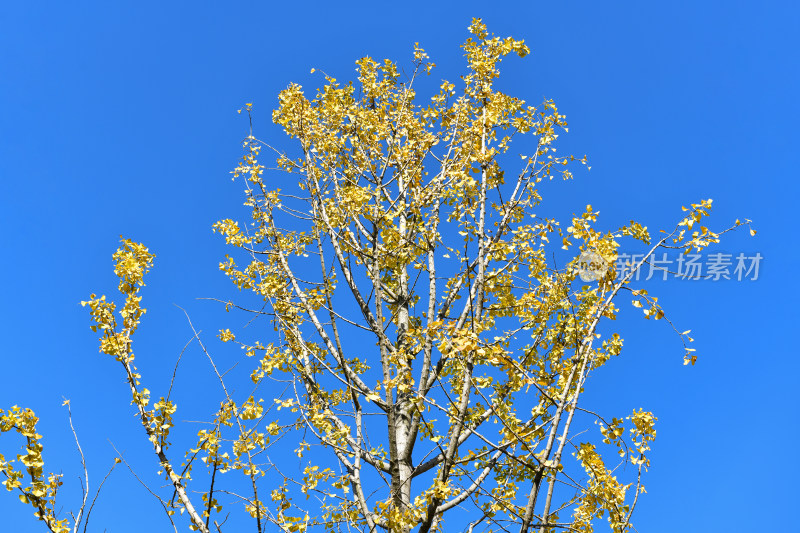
160,419
132,261
643,433
211,445
699,239
233,235
226,335
41,490
611,347
602,494
210,441
637,231
648,304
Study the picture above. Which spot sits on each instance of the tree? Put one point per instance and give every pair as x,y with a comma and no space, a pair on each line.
427,354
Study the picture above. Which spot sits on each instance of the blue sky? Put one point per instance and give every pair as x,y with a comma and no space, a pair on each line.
121,120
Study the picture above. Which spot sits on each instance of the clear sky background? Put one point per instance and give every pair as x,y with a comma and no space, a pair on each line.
120,119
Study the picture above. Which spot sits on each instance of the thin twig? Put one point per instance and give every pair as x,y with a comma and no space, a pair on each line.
175,371
96,494
83,462
156,496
